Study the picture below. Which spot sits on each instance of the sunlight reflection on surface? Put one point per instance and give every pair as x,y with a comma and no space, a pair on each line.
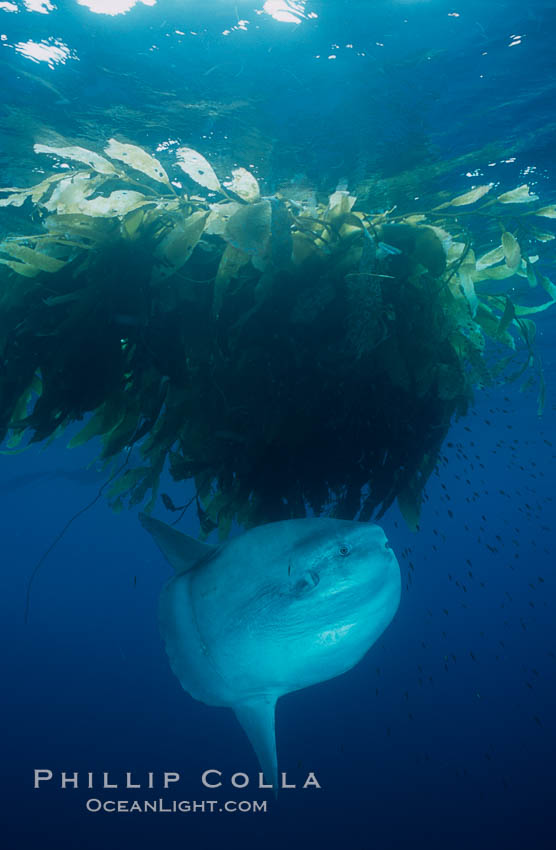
113,7
42,6
286,11
53,52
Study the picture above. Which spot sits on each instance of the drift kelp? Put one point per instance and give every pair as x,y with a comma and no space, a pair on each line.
283,352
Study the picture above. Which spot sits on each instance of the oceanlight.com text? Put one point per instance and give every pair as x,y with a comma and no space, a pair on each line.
161,806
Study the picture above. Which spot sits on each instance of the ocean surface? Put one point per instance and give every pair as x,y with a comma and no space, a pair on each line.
444,736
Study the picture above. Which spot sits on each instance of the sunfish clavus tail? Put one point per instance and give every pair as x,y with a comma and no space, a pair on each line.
278,608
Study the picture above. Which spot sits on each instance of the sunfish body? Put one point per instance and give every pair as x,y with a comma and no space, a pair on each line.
281,607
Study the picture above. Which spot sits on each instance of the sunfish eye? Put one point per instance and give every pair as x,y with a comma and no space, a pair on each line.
344,550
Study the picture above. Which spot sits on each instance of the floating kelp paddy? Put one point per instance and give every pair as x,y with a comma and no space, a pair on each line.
287,352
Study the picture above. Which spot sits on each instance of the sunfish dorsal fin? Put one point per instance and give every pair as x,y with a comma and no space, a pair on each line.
180,550
257,718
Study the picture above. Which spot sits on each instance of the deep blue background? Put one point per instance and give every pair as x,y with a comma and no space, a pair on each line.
444,736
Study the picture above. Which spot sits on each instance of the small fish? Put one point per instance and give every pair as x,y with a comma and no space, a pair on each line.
62,99
386,250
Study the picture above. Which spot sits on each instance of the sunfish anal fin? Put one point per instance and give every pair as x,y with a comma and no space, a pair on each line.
180,550
257,718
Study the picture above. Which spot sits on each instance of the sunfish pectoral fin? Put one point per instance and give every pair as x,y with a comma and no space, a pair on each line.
257,718
180,550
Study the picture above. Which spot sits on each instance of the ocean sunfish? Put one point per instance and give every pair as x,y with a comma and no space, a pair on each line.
278,608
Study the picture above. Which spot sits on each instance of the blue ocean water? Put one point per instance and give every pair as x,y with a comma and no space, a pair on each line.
443,737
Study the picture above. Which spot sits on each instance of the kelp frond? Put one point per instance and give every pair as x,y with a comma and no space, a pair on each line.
280,354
